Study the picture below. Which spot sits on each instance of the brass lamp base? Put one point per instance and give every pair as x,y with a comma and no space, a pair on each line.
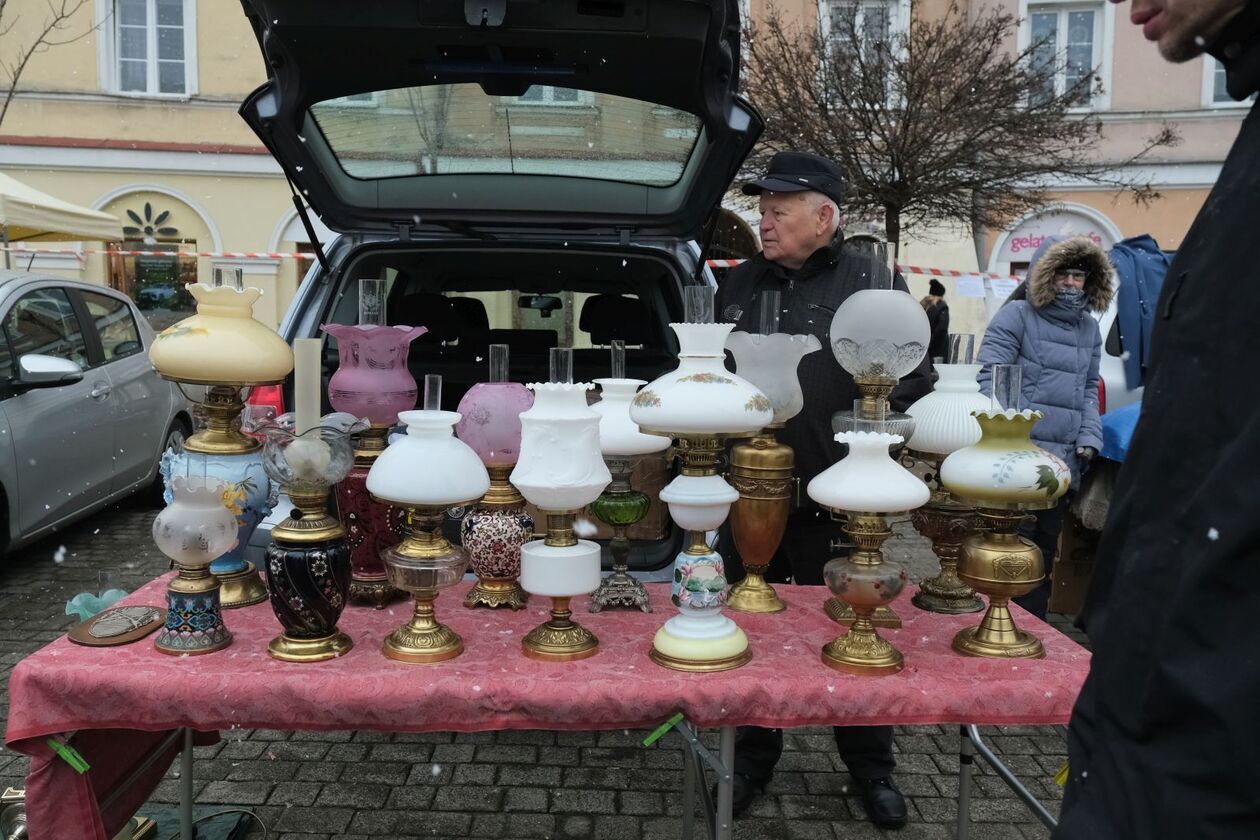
373,592
842,613
997,637
497,592
862,653
288,649
424,639
560,639
754,595
241,589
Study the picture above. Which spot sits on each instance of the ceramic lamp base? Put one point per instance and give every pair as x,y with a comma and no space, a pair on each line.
754,595
495,593
842,613
700,643
194,624
289,649
997,637
243,588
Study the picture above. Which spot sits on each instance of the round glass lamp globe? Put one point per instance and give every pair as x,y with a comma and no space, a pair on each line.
880,333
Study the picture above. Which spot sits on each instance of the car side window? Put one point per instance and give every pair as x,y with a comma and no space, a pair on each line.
120,337
43,321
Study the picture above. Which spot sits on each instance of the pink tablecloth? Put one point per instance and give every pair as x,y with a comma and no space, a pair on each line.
65,687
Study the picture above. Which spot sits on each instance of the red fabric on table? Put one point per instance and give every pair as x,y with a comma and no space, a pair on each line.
65,687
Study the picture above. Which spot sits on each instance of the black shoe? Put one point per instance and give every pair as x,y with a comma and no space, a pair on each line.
744,789
884,804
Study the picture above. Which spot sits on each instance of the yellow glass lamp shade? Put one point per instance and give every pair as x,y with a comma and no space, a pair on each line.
1005,469
222,344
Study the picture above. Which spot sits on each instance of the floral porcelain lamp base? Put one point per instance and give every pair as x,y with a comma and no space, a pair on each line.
700,638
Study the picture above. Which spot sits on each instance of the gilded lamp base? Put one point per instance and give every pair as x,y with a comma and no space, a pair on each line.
241,589
997,637
863,653
620,590
560,639
289,649
424,639
754,595
941,595
374,592
700,666
842,613
497,592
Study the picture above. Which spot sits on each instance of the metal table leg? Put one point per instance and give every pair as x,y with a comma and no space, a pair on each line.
186,787
972,736
966,763
718,814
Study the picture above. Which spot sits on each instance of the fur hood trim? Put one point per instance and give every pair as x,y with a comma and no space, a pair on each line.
1098,287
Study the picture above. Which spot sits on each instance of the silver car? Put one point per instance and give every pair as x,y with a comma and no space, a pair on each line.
84,418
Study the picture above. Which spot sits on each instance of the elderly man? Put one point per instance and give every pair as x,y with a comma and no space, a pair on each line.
1163,739
804,259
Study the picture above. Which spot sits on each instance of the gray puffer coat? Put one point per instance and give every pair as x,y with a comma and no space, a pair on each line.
1058,348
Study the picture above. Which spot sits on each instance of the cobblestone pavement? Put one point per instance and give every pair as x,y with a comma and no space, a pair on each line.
531,784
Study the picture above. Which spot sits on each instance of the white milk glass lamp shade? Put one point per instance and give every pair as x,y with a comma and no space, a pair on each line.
701,396
195,527
619,436
943,421
769,363
222,343
868,480
560,465
429,466
880,333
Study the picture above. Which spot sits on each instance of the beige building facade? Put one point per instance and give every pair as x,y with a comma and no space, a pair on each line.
138,118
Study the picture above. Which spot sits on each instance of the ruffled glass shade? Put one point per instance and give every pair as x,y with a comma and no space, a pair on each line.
372,379
769,362
560,465
1005,469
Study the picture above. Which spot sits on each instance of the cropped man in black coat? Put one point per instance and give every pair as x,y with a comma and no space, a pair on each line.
805,260
1165,737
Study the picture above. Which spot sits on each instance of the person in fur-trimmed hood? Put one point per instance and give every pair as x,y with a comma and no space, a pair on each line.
1053,337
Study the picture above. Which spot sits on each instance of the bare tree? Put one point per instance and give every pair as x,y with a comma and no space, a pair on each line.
430,108
18,45
940,123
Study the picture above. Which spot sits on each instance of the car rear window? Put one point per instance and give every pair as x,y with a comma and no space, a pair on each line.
547,130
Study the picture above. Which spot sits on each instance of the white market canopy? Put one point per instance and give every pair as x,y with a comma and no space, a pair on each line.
27,214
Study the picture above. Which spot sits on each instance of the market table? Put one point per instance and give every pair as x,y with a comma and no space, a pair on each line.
111,697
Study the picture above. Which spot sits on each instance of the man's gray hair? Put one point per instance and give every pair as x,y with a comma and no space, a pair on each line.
817,199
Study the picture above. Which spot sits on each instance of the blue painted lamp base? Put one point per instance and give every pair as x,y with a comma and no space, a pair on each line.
194,624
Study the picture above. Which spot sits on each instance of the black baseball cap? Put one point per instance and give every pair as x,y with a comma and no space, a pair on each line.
797,171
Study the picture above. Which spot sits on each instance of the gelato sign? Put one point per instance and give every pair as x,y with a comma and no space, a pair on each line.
1024,241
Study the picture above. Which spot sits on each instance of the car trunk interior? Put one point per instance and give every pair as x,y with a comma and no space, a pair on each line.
530,299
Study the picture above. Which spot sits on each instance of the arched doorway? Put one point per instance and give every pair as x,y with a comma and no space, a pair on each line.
161,224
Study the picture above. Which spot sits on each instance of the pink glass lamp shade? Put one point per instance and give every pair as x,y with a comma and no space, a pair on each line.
372,379
491,420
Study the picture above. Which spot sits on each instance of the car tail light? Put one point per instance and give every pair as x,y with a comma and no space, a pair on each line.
263,402
1102,395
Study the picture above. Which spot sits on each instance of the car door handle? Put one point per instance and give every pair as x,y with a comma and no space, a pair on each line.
100,391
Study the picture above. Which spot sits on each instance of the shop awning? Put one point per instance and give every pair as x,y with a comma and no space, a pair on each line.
26,214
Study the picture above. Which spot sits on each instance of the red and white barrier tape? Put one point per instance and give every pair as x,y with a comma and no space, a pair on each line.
234,255
904,269
299,255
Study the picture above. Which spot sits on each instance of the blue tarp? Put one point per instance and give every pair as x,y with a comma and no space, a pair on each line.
1140,269
1118,428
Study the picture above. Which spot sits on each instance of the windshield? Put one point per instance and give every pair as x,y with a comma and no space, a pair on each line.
453,129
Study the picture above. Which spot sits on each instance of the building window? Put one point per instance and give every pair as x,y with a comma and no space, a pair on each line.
153,47
874,21
1067,44
1218,95
549,95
